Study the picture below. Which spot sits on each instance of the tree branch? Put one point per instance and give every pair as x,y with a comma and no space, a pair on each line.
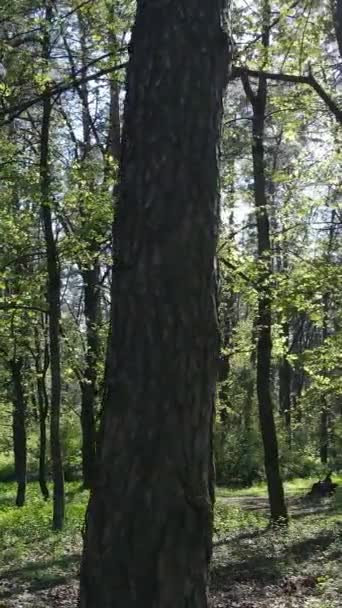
9,114
309,80
14,306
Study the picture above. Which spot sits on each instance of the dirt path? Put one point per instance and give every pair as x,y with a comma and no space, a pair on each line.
297,505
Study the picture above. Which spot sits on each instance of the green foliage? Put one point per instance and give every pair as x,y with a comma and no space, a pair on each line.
26,536
230,519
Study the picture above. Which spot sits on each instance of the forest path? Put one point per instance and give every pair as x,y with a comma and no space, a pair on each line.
295,568
297,503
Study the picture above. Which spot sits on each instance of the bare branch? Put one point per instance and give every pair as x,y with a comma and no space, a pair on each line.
310,80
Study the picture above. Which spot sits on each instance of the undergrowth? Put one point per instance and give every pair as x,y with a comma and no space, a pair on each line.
34,558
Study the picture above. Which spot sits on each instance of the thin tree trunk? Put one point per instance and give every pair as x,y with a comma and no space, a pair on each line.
43,408
19,430
89,380
325,410
149,520
337,17
43,412
264,341
53,272
285,386
264,316
324,434
92,305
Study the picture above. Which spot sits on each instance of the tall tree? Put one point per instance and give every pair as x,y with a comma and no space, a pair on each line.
149,520
258,101
19,429
54,288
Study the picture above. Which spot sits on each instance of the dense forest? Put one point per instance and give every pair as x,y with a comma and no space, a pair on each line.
170,275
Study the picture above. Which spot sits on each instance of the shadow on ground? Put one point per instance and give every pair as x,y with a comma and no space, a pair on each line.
39,575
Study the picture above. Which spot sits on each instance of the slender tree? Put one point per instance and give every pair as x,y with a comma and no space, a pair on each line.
337,18
19,429
54,288
258,101
149,520
40,356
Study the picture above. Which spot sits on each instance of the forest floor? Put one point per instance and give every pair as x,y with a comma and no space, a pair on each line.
253,566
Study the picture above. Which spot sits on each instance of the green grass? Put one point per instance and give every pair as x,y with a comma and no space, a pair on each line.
36,559
299,567
295,486
29,550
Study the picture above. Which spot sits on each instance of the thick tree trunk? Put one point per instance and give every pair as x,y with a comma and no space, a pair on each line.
19,430
149,520
89,380
264,316
53,272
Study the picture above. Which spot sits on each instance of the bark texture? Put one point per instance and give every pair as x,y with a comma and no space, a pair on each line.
149,520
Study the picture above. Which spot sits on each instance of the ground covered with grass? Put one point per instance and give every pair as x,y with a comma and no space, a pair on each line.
253,566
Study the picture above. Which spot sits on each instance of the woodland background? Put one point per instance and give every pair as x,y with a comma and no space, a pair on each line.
62,91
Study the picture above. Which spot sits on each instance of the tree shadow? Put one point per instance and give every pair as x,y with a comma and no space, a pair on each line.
39,575
256,567
306,548
259,562
7,500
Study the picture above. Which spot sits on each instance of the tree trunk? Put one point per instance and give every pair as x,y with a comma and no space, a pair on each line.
149,520
43,412
19,430
53,272
43,409
337,17
89,380
264,315
324,433
325,409
285,387
264,341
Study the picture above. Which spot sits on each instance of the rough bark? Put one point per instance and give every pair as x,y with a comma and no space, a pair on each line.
53,294
258,101
19,430
149,520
